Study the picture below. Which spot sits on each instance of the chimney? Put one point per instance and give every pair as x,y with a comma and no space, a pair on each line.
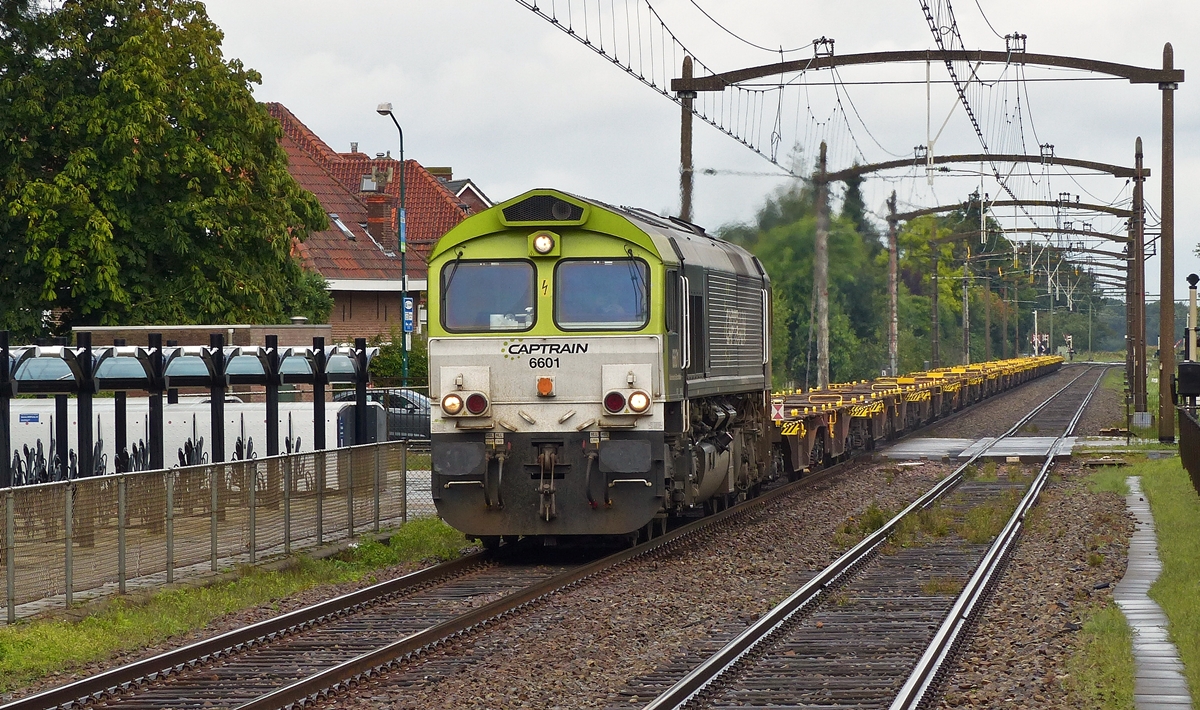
354,147
381,215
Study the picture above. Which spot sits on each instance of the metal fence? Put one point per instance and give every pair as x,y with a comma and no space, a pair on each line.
62,538
1189,444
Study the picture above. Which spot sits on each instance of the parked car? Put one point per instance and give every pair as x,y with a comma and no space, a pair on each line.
407,410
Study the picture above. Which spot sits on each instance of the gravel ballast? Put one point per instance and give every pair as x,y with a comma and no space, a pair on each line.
1106,410
579,648
1068,559
994,416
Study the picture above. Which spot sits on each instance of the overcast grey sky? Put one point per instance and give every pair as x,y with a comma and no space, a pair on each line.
499,94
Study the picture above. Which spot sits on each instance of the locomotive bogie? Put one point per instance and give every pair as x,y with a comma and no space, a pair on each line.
556,484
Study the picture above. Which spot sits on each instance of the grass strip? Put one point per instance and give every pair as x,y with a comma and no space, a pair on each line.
1101,670
1176,509
34,649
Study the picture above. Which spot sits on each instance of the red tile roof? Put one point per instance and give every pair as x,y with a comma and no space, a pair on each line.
331,252
335,179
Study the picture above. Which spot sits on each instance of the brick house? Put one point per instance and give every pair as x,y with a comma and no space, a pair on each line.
359,254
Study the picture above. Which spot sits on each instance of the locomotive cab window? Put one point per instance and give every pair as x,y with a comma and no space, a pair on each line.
484,296
602,294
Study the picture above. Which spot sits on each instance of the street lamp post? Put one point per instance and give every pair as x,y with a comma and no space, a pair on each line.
385,109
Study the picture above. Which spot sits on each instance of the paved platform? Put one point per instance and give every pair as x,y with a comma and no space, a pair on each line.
1026,449
1159,683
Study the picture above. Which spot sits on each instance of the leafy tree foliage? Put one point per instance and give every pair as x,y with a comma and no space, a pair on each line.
783,235
783,238
140,182
388,365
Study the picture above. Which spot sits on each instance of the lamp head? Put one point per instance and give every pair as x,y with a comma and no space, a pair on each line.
385,108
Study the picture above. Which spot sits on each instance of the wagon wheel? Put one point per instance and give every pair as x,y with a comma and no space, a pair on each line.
816,457
781,459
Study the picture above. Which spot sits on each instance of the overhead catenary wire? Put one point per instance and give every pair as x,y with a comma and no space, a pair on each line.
731,33
760,115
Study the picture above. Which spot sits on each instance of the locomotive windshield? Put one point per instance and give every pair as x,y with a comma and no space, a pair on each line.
487,295
604,294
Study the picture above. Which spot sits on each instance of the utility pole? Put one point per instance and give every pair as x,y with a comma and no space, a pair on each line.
1166,254
1136,282
893,289
1090,304
987,317
1050,329
1004,322
966,322
821,272
685,146
935,327
1131,368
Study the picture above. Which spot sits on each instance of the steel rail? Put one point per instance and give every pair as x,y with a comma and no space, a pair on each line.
325,683
119,681
385,658
122,679
951,633
768,625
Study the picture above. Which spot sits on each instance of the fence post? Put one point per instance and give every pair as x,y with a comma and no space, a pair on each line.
10,557
287,505
320,476
121,533
69,521
169,481
404,482
350,492
253,467
375,523
212,515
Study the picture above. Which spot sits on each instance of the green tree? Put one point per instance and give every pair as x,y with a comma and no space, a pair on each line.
388,365
140,182
783,237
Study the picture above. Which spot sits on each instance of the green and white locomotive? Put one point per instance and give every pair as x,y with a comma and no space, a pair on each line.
594,370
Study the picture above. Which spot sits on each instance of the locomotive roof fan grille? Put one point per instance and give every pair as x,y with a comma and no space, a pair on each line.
543,208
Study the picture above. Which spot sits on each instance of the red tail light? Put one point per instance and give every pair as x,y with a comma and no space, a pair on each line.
614,402
477,404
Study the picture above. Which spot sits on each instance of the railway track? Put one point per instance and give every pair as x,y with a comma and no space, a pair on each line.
314,652
872,630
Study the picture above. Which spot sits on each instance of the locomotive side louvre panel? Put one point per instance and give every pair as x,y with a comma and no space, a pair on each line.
735,315
766,329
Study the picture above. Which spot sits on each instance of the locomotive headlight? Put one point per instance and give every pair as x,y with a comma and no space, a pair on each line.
543,243
639,402
452,404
